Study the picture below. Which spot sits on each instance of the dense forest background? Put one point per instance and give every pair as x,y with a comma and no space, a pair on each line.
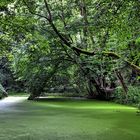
88,48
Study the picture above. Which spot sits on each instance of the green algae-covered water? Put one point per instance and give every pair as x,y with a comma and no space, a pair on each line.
67,119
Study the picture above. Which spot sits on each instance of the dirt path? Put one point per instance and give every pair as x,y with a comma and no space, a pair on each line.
10,103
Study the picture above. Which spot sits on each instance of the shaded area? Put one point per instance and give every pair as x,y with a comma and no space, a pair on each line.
60,99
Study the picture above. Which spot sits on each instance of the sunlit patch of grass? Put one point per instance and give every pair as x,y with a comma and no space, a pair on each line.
78,104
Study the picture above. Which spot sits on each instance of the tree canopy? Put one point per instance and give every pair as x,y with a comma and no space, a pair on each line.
88,43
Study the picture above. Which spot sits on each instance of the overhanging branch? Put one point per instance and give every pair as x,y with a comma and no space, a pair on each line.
110,54
68,44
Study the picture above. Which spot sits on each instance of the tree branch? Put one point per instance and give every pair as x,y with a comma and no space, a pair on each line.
78,50
42,16
48,10
110,54
50,20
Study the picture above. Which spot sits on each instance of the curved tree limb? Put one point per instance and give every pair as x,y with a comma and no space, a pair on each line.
110,54
78,50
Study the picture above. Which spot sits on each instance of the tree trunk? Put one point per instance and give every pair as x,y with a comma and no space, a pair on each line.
104,92
120,77
91,92
33,96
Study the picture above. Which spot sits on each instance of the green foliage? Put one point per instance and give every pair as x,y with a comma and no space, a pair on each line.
138,106
2,89
39,38
132,97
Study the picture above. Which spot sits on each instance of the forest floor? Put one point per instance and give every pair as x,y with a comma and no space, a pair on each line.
67,119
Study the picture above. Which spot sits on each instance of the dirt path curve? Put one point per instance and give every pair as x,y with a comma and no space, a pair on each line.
10,103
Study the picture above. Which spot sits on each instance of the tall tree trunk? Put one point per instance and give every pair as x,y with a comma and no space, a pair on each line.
121,79
91,92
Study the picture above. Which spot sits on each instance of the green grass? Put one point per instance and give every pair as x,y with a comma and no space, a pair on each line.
13,93
64,119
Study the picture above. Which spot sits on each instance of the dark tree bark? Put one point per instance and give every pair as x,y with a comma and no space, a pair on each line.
91,92
121,79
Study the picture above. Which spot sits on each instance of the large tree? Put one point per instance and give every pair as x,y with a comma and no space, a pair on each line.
97,36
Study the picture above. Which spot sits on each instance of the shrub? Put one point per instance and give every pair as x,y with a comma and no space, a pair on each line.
132,97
